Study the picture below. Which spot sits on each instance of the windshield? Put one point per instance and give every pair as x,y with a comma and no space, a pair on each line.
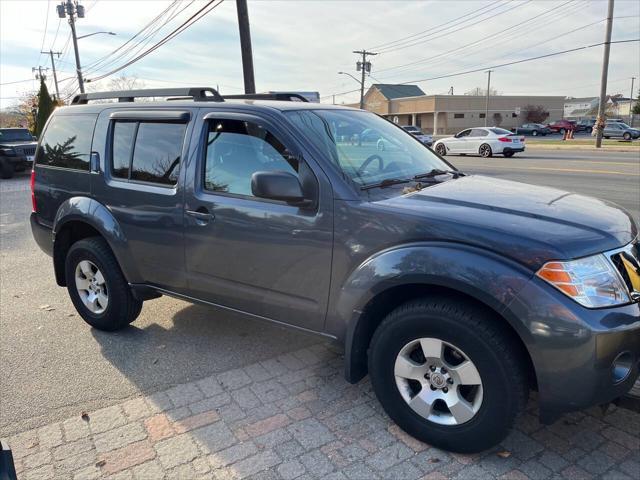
365,147
15,135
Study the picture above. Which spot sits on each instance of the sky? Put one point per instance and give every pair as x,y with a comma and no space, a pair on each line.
303,44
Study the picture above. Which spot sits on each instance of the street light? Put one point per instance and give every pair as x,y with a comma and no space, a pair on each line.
95,33
346,73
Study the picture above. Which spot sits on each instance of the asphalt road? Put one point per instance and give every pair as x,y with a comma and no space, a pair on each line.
53,366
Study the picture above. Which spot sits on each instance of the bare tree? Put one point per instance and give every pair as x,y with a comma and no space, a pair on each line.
482,92
535,113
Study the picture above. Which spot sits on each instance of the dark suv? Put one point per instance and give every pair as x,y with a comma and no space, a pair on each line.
17,149
457,293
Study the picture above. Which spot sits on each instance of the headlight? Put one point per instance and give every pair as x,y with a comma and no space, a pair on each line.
591,281
7,151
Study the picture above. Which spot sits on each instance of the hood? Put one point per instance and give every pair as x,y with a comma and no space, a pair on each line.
19,143
528,223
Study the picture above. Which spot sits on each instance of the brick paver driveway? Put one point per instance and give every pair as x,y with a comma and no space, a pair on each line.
295,417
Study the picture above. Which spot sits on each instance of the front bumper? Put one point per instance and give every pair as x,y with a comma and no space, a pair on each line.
18,161
573,348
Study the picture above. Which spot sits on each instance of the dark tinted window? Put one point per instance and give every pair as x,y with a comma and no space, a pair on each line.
67,142
123,136
479,132
236,150
15,135
464,133
458,115
500,131
156,156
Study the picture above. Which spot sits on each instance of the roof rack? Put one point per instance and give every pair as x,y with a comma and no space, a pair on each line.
284,96
199,94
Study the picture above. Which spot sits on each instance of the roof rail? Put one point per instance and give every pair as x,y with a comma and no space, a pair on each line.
284,96
199,94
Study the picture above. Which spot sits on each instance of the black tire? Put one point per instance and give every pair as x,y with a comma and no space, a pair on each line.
485,150
626,136
441,149
561,131
607,137
509,154
122,308
534,133
6,169
589,130
484,341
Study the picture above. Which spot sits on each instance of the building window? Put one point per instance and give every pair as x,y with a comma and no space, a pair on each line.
482,115
514,115
458,115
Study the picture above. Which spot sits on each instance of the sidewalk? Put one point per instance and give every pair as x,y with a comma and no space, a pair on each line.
294,416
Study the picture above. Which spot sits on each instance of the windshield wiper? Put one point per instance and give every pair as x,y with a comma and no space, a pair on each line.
387,182
436,171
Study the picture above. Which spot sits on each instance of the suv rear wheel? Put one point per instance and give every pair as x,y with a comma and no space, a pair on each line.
447,375
97,287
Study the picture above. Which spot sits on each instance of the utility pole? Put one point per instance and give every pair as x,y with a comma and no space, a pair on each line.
53,67
486,107
600,121
73,10
245,46
364,67
631,103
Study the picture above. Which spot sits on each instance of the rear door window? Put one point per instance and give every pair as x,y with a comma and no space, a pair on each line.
147,151
67,142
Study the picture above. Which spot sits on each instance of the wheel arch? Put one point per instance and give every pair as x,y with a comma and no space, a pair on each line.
82,217
399,274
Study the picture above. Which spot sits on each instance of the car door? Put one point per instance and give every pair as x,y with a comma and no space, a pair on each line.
141,156
263,257
476,138
458,143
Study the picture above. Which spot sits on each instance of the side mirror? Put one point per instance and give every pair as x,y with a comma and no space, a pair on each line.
34,137
277,186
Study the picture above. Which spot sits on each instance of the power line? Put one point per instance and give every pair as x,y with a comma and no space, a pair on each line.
140,32
426,38
184,26
387,44
585,47
484,39
46,26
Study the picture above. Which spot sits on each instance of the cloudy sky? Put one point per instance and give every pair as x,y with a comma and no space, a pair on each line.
301,45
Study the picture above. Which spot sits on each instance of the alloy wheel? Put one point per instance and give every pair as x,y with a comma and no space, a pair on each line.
485,150
92,287
438,381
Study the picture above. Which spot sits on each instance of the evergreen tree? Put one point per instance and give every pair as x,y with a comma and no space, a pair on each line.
46,105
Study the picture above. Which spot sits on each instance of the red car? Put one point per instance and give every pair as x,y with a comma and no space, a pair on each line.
560,126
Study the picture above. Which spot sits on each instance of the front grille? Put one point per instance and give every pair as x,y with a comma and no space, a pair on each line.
627,263
29,150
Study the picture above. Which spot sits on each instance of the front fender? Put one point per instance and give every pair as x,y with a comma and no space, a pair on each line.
91,212
485,276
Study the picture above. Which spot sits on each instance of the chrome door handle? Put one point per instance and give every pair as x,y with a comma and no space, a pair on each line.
202,217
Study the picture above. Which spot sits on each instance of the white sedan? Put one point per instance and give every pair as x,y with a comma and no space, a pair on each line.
485,141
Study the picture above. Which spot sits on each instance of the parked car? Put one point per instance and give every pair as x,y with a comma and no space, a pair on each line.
417,132
585,125
17,149
620,130
485,141
534,129
456,293
561,126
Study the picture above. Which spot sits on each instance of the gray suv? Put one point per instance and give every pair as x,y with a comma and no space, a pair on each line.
457,294
620,130
17,149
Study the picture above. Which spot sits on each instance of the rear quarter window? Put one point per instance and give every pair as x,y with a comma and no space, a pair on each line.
66,142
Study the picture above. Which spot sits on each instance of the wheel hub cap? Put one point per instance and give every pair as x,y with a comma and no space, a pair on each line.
91,286
438,381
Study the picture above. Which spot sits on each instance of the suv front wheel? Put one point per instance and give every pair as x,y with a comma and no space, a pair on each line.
97,287
447,374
